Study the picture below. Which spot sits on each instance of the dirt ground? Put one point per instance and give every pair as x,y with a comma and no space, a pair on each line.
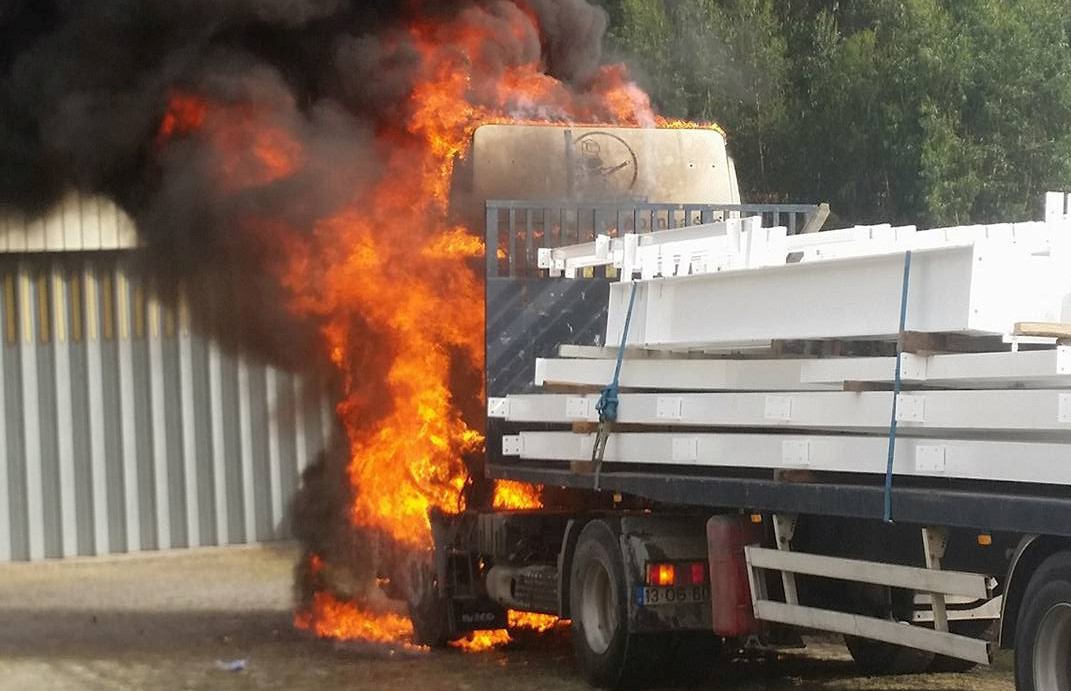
173,622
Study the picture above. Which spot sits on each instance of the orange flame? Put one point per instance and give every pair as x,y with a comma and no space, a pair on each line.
332,618
517,495
478,641
390,279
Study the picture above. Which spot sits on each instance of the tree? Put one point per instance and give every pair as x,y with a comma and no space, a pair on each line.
930,111
714,61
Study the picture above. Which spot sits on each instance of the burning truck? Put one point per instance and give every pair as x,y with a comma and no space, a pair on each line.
383,188
535,185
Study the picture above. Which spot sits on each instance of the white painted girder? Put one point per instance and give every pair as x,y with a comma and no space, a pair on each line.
1035,368
686,375
1026,411
984,287
998,461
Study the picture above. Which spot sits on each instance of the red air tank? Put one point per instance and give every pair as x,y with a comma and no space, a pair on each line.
730,592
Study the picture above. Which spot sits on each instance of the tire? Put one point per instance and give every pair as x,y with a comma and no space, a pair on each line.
885,659
606,653
943,664
428,611
1043,631
691,657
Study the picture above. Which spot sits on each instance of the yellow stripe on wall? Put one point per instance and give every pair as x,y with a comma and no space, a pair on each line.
59,308
42,309
122,306
139,312
91,305
27,308
10,309
108,303
76,303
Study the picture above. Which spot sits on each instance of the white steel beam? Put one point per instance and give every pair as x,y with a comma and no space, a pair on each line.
687,375
1028,411
1032,237
1033,368
985,287
998,461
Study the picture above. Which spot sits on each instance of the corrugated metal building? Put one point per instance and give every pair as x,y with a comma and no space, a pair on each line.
122,429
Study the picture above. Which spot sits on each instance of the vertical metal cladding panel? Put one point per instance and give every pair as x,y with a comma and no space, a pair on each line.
123,430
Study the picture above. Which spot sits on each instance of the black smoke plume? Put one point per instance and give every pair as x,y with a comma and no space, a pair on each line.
84,89
84,84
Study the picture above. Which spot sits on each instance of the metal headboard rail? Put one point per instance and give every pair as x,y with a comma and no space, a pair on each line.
515,230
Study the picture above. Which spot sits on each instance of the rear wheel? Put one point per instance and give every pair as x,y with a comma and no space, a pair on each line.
1043,632
975,629
881,659
428,610
607,654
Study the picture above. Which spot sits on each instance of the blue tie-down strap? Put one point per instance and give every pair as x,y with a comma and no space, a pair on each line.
610,397
897,386
607,404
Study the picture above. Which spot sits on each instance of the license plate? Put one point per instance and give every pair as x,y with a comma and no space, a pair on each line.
673,595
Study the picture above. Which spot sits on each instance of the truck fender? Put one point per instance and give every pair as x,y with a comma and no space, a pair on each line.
565,563
1031,552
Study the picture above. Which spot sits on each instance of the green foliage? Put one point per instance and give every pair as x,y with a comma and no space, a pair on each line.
720,61
936,111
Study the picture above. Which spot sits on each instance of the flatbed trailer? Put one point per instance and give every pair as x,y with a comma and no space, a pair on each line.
660,565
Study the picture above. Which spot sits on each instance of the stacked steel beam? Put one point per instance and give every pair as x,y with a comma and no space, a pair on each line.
707,377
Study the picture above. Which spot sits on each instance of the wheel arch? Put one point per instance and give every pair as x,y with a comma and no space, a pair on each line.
573,528
1031,553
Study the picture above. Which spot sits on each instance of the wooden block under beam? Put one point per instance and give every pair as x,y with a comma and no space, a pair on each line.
860,386
919,342
582,467
1061,330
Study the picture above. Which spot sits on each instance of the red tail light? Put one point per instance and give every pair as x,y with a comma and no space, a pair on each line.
661,574
698,572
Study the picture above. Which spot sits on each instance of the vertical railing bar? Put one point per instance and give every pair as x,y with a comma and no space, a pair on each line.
491,240
512,258
529,240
